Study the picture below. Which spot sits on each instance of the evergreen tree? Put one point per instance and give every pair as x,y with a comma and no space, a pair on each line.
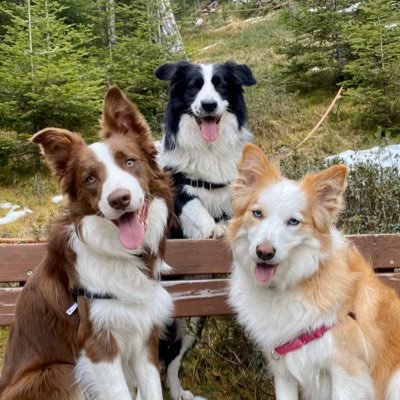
47,75
317,52
374,39
130,52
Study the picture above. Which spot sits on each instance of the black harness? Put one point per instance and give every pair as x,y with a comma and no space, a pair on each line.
87,294
181,179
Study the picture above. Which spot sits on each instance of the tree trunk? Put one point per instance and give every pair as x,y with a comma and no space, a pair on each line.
112,39
168,28
30,35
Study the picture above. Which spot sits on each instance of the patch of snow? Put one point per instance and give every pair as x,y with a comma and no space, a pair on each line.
392,25
14,213
199,22
385,157
352,7
57,199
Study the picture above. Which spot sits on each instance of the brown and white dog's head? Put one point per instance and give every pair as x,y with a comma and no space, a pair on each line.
114,178
281,228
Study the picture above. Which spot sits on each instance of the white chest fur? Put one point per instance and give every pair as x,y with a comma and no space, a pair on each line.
140,304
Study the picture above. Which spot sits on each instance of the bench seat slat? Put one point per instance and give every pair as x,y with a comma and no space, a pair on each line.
192,298
17,261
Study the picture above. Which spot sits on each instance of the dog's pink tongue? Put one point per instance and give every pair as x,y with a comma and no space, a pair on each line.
209,129
131,230
264,272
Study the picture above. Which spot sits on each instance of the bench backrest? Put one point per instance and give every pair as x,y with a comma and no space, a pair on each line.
206,262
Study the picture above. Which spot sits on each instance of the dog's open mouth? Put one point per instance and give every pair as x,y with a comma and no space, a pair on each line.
132,228
265,272
209,127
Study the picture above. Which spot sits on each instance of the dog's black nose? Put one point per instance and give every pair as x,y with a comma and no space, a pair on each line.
265,252
119,199
209,106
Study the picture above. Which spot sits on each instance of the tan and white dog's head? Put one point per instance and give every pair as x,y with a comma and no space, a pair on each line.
281,228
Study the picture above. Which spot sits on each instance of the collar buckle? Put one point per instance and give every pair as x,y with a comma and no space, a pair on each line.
276,356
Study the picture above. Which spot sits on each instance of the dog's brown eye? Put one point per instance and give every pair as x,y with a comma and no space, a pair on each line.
257,213
129,162
90,179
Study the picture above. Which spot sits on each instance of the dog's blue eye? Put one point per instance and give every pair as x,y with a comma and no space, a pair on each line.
293,222
129,162
90,179
257,213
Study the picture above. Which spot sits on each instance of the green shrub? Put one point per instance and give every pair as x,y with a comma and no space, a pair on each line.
372,196
18,157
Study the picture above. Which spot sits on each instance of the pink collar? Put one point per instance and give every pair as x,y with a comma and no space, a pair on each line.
300,341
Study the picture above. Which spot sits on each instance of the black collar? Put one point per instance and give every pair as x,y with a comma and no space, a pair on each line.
87,294
181,179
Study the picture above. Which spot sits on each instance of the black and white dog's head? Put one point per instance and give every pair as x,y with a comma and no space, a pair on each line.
205,93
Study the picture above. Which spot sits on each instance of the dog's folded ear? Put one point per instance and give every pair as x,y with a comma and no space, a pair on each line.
166,72
243,73
120,115
254,167
58,146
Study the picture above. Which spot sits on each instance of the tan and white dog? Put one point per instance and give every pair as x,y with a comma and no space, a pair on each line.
327,325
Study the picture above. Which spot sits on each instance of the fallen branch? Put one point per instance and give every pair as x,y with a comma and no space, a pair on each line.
321,121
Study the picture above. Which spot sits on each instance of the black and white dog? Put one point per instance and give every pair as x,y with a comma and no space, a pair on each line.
203,138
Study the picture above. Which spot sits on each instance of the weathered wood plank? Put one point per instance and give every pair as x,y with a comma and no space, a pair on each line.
8,299
190,257
382,251
17,261
192,298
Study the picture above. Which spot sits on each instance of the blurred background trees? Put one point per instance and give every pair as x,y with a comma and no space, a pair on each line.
57,57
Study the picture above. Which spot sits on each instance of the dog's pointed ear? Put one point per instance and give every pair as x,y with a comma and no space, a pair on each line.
325,190
167,72
254,167
243,73
58,146
121,116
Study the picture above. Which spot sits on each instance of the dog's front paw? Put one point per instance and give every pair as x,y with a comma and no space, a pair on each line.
217,232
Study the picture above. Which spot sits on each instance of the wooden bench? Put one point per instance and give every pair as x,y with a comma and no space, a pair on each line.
198,296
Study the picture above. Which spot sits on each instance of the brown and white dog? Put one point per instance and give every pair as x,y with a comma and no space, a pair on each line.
327,325
87,322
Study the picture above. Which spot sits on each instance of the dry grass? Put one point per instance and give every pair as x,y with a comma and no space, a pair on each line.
34,193
279,120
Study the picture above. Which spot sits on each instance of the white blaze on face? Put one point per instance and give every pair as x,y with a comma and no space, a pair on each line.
279,203
208,94
131,220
